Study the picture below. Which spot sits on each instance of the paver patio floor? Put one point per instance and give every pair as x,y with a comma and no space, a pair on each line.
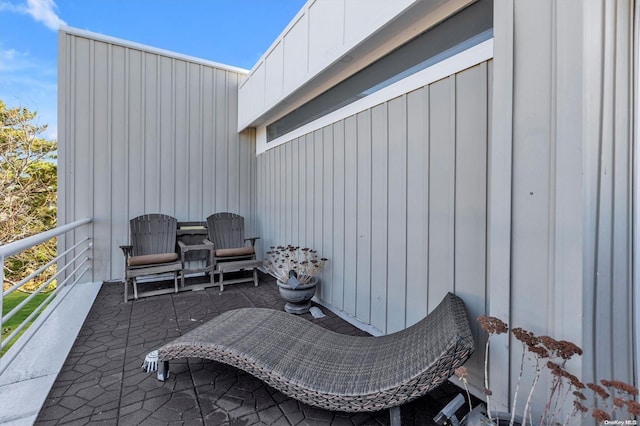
102,381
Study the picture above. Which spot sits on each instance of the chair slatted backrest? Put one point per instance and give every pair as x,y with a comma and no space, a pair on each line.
226,230
153,234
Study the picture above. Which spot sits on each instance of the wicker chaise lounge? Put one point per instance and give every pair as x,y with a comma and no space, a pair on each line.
330,370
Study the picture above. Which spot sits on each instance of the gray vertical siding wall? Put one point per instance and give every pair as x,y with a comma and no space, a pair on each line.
142,132
396,197
608,146
564,116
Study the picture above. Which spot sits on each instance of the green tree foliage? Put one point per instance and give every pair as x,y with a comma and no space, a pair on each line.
28,190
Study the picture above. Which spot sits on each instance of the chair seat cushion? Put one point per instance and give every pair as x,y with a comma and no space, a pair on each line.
151,259
238,251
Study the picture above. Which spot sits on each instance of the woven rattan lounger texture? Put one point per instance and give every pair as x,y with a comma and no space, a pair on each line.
330,370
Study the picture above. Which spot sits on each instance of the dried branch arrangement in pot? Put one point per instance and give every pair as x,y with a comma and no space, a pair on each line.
305,262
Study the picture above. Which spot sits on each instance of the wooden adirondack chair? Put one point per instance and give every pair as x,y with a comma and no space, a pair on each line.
152,251
226,232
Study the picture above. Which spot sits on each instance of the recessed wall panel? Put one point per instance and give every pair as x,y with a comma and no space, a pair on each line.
274,72
326,32
362,17
296,54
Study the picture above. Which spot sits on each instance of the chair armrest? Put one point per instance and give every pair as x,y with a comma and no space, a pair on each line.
127,251
252,239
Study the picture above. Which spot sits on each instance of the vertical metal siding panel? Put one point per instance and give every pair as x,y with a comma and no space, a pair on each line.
221,153
283,197
208,142
85,115
337,288
290,207
252,161
569,171
260,203
277,196
302,190
621,352
121,110
318,191
397,231
284,200
471,198
128,156
363,223
268,184
309,166
264,216
259,230
501,270
500,174
273,178
441,192
245,174
350,214
102,90
180,141
247,179
604,249
532,178
326,292
234,142
417,207
248,163
65,53
194,139
132,154
295,194
166,165
379,215
151,154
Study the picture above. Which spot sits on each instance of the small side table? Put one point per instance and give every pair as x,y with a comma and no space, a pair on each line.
194,247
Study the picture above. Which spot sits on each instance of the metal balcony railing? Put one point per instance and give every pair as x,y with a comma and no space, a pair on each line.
72,264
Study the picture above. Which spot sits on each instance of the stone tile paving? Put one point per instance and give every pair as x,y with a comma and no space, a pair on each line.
102,381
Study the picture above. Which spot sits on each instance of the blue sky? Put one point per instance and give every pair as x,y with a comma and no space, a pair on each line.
233,32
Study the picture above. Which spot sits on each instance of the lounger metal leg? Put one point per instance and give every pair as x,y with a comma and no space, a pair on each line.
175,281
394,416
163,370
255,277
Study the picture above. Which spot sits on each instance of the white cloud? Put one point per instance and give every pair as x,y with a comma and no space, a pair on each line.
43,11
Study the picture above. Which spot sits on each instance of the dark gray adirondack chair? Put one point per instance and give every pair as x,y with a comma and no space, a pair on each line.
226,232
152,251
